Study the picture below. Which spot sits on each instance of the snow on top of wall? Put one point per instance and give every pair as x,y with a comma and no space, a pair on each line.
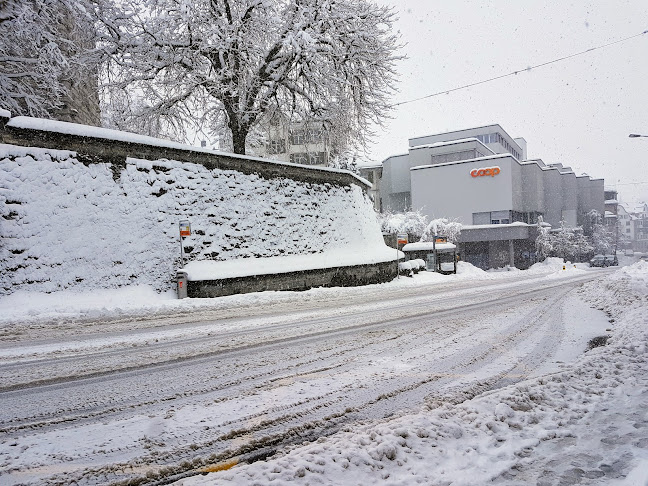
68,128
5,113
496,226
451,142
338,257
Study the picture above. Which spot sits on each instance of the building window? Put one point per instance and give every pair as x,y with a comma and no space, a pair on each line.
495,221
505,221
276,146
317,158
314,135
299,158
297,137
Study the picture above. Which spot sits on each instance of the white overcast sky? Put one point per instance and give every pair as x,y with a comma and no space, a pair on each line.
578,112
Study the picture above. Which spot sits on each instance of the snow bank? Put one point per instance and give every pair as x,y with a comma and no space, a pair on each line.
68,225
469,271
338,257
587,422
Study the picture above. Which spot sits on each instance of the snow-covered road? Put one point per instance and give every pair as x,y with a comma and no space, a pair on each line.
162,397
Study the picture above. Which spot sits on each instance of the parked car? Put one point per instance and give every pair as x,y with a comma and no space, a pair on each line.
598,261
628,253
611,260
643,258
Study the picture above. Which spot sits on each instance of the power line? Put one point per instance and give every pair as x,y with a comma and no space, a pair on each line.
514,73
629,183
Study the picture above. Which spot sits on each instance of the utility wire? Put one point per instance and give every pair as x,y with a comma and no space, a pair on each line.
514,73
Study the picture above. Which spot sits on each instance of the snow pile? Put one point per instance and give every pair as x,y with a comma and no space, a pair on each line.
586,423
469,271
70,225
625,289
556,267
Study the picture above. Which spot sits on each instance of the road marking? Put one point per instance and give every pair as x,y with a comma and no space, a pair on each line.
222,466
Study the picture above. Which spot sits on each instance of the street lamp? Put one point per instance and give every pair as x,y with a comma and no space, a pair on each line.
636,135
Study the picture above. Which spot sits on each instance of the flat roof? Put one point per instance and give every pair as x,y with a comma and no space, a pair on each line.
516,224
450,142
462,130
428,245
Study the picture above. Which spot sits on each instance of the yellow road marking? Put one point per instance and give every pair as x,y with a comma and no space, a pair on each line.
223,466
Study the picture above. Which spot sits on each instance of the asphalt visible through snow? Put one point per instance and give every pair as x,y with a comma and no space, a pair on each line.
157,399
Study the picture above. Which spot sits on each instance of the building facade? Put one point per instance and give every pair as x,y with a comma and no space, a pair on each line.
480,177
296,142
633,227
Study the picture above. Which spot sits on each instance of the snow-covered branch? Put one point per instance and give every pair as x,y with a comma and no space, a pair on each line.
330,60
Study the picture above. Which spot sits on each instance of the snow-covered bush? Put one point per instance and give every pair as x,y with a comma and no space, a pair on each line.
415,223
405,268
567,243
442,227
410,222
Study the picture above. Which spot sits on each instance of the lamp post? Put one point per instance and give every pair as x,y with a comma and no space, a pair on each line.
636,135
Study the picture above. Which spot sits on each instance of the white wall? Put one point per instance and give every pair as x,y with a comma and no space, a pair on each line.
450,191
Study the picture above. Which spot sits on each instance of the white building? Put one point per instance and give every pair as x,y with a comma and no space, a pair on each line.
633,225
481,178
296,142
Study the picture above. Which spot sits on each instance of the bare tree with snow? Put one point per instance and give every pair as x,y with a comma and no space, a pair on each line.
544,240
43,69
232,62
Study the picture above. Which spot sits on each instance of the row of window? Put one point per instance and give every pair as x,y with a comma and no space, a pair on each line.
506,217
308,158
497,138
297,137
307,135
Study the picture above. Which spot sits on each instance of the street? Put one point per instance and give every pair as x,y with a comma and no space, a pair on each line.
163,398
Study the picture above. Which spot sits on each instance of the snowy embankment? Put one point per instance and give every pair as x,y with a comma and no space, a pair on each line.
136,301
67,225
585,424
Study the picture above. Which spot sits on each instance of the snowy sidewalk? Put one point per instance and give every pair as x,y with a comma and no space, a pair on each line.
587,424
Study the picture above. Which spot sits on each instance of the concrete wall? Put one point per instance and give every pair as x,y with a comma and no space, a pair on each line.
552,196
569,198
597,195
450,191
585,201
532,187
328,277
496,147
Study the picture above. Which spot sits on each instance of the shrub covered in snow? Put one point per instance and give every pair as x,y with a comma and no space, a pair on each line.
405,268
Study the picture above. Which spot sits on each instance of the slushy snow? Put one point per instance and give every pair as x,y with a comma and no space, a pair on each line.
585,424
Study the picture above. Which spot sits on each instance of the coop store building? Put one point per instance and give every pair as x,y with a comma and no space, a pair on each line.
477,177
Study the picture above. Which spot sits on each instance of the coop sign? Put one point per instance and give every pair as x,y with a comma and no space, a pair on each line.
486,171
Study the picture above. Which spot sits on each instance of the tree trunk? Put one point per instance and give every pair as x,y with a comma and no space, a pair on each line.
239,134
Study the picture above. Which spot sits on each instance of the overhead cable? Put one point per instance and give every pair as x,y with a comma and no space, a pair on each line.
514,73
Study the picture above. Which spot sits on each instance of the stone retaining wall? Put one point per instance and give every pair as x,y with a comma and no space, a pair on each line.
327,277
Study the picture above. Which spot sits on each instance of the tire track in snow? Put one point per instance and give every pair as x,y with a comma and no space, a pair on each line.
343,351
